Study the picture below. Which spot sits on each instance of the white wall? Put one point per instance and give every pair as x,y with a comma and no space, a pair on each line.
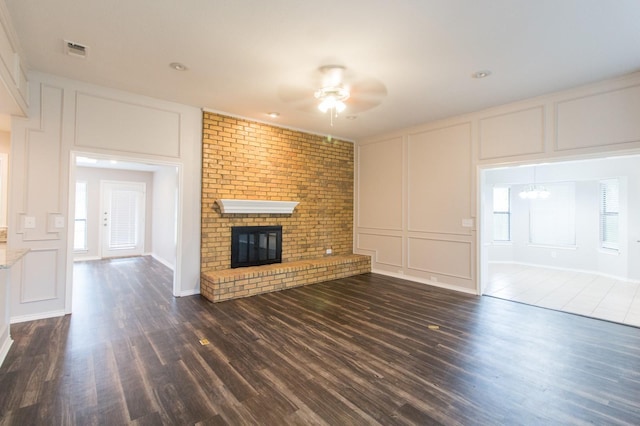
93,176
67,117
165,186
5,149
418,187
586,254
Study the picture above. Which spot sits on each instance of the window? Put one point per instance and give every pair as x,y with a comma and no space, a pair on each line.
80,228
609,213
125,213
501,214
552,220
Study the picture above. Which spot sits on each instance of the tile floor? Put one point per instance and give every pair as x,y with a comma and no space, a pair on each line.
576,292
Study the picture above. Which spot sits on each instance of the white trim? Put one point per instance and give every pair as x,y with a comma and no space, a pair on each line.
189,292
4,350
552,246
38,316
161,260
427,282
256,206
85,258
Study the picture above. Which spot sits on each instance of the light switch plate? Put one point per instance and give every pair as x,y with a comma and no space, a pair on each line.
467,223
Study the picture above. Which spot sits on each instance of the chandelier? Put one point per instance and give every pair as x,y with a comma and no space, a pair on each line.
534,191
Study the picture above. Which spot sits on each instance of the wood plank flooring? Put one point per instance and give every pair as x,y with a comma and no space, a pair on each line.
353,351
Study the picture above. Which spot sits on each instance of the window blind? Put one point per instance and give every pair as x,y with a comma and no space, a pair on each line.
80,223
609,214
501,214
124,213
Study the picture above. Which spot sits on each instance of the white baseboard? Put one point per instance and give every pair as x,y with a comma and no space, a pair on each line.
86,258
190,292
560,268
4,349
427,282
38,316
163,261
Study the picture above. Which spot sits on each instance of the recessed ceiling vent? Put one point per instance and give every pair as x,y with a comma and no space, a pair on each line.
75,49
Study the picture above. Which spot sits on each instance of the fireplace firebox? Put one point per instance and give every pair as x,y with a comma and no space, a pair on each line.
255,245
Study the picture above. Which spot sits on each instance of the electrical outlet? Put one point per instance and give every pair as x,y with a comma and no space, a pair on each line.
329,251
434,279
58,222
29,222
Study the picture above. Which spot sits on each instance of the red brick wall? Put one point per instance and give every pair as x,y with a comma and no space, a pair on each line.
242,159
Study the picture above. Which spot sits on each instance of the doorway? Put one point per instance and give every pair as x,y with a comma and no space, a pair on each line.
574,246
130,209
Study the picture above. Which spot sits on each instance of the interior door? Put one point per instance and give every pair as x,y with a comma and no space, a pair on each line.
122,218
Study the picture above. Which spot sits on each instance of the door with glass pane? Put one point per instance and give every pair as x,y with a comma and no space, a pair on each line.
122,218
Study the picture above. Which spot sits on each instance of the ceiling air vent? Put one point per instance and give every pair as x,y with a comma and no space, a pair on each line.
74,49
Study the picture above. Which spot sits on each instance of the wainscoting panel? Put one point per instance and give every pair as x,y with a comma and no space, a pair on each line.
601,119
118,125
40,273
380,185
513,133
439,165
439,256
385,249
42,163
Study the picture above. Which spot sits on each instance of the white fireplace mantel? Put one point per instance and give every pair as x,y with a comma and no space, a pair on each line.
256,206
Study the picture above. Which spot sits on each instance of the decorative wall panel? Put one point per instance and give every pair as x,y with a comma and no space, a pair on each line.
439,180
511,134
42,163
452,258
380,185
40,276
608,118
387,248
127,127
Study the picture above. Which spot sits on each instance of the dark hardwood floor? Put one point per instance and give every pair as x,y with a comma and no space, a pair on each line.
360,350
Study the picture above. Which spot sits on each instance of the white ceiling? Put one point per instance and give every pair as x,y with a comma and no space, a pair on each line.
246,57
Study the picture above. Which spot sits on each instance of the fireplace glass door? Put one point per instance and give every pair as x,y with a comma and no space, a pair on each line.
255,245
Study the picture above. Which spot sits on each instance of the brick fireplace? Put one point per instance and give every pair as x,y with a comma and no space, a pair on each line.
255,161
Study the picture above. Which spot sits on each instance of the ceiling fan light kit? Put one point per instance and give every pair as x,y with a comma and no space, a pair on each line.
334,90
332,98
332,94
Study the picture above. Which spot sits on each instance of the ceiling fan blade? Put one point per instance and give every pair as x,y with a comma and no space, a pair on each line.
357,105
369,87
365,92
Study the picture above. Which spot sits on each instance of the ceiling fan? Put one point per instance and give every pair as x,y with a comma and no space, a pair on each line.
334,89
